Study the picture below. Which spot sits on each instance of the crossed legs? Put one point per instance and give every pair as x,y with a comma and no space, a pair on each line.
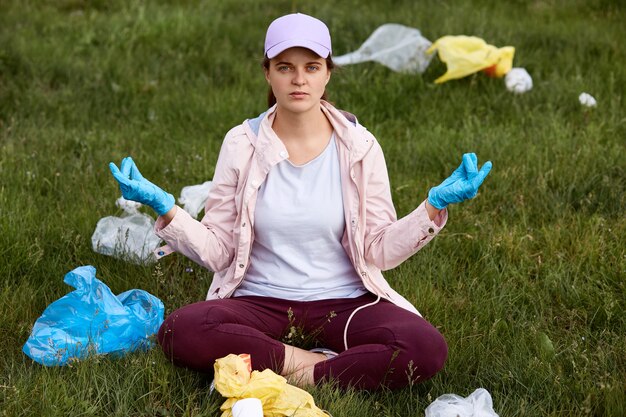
387,345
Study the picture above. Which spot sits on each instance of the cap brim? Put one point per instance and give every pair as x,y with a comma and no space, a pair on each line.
293,43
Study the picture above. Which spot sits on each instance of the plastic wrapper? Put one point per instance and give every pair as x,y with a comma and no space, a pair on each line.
234,380
91,320
130,237
398,47
248,407
518,81
465,55
477,404
129,206
587,100
193,197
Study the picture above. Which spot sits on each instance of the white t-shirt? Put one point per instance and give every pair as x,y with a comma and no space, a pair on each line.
299,222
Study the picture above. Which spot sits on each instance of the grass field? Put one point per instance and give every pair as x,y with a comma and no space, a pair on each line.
537,259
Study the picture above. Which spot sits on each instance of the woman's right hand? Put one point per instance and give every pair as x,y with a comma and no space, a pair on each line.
136,188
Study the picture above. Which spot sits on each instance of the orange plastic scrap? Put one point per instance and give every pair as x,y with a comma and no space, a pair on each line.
465,55
234,380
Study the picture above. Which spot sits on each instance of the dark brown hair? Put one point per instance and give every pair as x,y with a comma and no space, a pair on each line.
271,99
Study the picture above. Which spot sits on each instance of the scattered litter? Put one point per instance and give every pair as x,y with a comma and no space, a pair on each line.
478,404
91,320
587,100
465,55
193,197
129,206
235,380
518,81
398,47
130,237
248,407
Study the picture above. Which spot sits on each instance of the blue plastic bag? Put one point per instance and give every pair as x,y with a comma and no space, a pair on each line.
92,320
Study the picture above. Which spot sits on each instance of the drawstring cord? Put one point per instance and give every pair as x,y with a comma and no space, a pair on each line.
345,330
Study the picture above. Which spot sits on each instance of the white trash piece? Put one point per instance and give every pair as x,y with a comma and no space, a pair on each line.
129,206
398,47
478,404
248,407
518,80
130,237
587,100
193,197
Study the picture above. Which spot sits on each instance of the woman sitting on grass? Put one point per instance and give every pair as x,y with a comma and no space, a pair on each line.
298,225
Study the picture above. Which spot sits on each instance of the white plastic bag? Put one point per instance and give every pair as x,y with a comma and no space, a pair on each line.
193,197
587,100
129,206
518,81
398,47
248,407
478,404
130,237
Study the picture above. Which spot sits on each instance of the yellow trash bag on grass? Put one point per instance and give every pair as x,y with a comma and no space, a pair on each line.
234,380
465,55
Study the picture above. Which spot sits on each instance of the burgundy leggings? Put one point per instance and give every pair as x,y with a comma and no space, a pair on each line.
387,345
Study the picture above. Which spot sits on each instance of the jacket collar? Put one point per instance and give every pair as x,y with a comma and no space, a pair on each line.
352,135
271,149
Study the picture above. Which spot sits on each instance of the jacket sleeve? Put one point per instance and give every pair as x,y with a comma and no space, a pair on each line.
209,242
388,241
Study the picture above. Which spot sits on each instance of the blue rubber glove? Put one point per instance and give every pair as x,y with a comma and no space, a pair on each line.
136,188
461,185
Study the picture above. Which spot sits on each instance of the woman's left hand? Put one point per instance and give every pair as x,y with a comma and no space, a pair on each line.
462,185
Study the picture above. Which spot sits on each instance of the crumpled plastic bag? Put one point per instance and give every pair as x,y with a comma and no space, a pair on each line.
518,81
91,320
477,404
398,47
130,237
587,100
248,407
465,55
193,197
129,206
234,380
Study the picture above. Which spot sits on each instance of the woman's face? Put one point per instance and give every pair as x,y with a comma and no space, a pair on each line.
298,78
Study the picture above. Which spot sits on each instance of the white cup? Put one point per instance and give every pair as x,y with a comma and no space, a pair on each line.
248,407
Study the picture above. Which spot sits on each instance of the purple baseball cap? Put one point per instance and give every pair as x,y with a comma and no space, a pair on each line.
297,29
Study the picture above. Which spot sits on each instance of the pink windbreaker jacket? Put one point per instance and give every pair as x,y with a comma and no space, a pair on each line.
374,238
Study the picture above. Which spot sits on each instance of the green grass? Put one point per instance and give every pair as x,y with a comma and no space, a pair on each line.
540,253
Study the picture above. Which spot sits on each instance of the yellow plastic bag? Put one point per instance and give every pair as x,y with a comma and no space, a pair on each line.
234,380
465,55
